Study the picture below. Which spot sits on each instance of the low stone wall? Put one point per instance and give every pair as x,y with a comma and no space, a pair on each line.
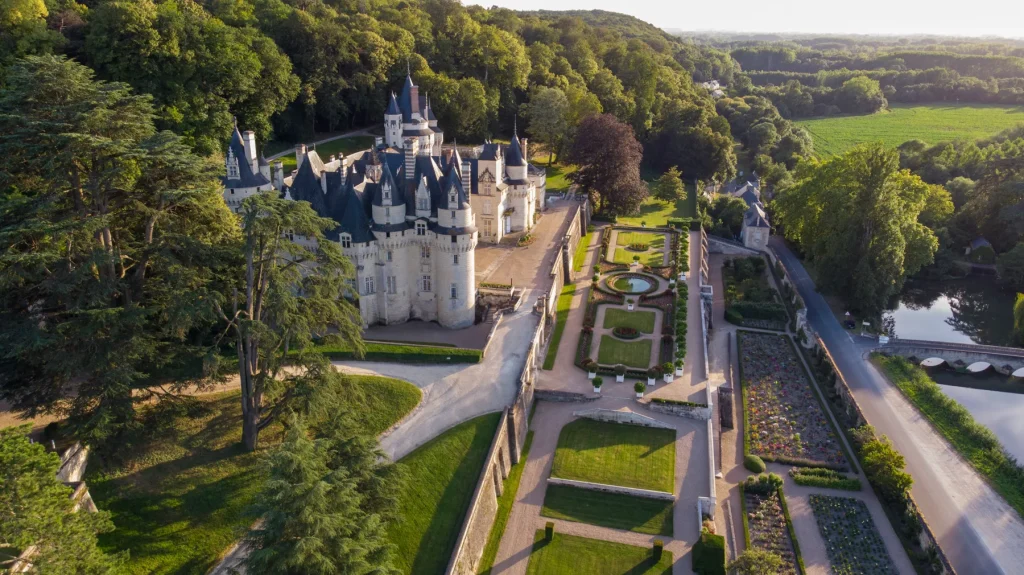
717,245
699,412
624,416
646,493
562,396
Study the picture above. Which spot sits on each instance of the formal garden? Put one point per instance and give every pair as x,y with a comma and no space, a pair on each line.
783,419
766,522
560,554
616,454
648,248
750,299
854,544
632,298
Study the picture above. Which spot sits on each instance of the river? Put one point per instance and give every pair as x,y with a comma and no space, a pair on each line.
970,310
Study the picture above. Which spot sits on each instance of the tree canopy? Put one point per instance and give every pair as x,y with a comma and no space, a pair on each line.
608,157
858,216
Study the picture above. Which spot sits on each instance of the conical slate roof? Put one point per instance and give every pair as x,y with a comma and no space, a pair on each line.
393,106
514,154
452,183
246,177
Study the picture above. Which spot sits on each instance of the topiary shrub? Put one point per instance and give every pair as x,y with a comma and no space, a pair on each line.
754,464
549,530
625,332
659,546
620,369
639,387
763,484
709,554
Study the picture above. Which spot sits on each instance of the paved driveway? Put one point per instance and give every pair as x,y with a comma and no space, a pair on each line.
977,529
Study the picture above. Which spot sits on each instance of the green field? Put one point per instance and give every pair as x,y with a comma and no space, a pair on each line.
180,498
572,555
339,146
931,123
442,476
642,321
629,353
639,514
561,314
579,259
616,454
656,212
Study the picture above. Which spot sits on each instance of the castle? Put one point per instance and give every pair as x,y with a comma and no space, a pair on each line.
410,212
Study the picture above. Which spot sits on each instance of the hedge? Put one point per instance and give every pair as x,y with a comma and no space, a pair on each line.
709,554
403,353
825,478
676,402
760,310
754,464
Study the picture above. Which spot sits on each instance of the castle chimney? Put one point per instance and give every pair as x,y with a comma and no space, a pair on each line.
249,142
378,141
300,152
411,150
526,155
277,174
467,175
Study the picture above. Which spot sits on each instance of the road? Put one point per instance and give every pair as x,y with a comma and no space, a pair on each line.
976,528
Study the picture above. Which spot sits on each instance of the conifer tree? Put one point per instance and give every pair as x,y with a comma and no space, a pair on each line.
325,508
669,186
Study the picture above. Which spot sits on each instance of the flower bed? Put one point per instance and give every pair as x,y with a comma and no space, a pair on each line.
853,543
624,332
784,421
764,521
638,247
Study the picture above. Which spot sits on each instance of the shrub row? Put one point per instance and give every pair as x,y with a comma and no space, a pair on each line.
495,285
827,478
676,401
709,554
403,353
760,310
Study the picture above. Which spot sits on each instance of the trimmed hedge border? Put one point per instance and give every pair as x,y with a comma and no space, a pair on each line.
825,478
676,402
403,353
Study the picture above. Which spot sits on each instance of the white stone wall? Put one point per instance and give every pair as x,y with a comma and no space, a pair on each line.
233,197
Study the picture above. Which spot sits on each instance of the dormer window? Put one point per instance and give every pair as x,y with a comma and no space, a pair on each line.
346,240
451,199
422,199
421,228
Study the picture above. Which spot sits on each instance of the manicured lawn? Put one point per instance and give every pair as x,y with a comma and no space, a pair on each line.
341,146
579,259
629,353
616,454
179,500
508,497
562,308
639,514
975,442
931,123
557,174
655,240
642,321
654,256
648,258
442,476
403,353
657,212
571,555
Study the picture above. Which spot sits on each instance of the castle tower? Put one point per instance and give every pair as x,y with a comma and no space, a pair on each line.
456,241
393,124
389,202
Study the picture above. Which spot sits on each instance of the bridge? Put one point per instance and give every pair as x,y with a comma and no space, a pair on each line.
974,357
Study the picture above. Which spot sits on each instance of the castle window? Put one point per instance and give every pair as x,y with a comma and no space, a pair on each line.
455,291
426,283
425,252
392,285
368,285
232,191
421,228
346,240
487,227
387,213
453,216
422,199
455,259
290,234
487,207
389,255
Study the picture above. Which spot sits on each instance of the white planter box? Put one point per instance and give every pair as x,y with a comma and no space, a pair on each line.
650,381
591,374
620,378
629,307
668,378
597,390
679,371
639,395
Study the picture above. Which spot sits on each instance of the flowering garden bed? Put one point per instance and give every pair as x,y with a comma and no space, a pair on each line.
765,522
783,420
853,543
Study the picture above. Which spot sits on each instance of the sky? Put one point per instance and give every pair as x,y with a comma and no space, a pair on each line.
946,17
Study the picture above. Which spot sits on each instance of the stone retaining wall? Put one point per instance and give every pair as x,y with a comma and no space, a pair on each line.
699,412
646,493
624,416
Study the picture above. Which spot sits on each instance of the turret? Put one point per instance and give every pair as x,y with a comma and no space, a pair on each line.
454,211
231,164
393,123
515,161
388,201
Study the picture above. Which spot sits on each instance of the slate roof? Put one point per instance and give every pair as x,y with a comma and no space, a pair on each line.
393,106
452,183
397,193
980,243
246,177
306,183
514,153
406,102
346,208
490,152
755,217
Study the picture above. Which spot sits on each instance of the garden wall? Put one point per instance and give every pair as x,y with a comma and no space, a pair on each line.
646,493
624,415
688,410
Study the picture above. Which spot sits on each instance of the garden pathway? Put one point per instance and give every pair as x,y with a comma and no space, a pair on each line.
350,134
525,519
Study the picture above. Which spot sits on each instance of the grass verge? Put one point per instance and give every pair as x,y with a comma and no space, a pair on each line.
657,212
579,259
442,476
562,308
615,510
972,440
571,555
616,454
180,497
326,149
508,497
